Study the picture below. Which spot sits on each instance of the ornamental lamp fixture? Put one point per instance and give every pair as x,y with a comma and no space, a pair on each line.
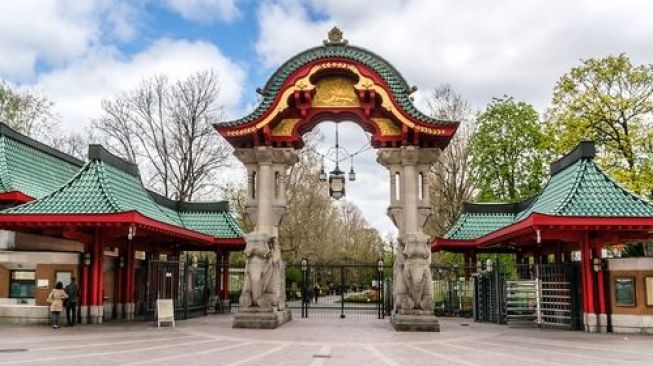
337,183
304,265
131,233
323,176
379,265
121,262
352,174
489,265
87,259
596,264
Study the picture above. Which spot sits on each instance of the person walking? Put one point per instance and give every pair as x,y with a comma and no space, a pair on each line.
55,299
71,303
316,292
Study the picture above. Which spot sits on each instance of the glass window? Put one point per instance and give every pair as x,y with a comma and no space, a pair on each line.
649,291
63,277
22,284
625,291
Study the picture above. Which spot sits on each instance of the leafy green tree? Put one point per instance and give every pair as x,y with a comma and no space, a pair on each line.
608,100
507,151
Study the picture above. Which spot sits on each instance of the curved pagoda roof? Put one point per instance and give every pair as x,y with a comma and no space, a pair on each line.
578,188
106,189
400,89
365,88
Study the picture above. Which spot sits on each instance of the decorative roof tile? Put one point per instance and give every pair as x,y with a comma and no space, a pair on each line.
396,82
30,167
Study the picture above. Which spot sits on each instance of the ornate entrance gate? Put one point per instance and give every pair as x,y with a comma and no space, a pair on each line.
337,82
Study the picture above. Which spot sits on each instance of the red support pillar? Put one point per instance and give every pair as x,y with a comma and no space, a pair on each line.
97,279
130,286
602,313
85,288
588,286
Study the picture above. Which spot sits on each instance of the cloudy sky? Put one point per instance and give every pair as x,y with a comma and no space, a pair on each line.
79,52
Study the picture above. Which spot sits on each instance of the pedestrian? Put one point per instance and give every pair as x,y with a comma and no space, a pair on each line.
55,299
71,303
316,292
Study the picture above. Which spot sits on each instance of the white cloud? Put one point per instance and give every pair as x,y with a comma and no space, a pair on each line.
79,88
483,48
33,30
205,11
53,32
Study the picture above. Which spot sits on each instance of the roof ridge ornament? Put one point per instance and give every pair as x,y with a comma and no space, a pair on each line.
334,38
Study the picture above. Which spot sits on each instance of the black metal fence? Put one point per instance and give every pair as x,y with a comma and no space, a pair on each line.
189,284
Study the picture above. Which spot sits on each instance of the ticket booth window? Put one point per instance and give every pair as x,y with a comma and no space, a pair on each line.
22,284
625,291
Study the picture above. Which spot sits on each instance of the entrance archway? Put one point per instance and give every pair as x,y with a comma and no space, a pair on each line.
337,82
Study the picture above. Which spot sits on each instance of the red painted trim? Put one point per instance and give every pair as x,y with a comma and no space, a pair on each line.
15,197
115,219
527,226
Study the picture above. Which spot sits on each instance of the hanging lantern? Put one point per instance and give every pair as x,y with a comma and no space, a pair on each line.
352,174
337,183
323,176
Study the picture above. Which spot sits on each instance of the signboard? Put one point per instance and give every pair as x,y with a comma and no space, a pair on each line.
649,291
42,283
165,310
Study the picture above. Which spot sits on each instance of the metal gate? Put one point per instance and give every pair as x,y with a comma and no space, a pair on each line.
338,291
490,294
363,290
187,284
545,295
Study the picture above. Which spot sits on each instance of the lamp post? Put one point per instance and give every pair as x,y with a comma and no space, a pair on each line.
304,269
380,306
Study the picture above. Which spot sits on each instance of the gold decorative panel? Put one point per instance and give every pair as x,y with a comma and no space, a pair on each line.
386,127
285,127
335,92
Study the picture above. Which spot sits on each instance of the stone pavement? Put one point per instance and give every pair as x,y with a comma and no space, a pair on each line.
212,341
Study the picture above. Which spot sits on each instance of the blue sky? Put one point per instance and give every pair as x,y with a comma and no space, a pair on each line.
81,52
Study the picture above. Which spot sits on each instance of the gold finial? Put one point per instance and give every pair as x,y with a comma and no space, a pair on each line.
335,37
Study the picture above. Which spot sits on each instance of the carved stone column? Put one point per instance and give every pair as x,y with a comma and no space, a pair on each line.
263,300
409,209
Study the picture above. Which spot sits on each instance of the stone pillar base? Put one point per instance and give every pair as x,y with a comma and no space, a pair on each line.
415,321
603,323
95,314
591,323
129,309
261,319
83,314
120,310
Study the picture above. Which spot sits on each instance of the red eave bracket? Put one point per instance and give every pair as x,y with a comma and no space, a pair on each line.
15,197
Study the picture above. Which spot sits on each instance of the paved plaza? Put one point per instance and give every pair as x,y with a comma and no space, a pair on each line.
212,341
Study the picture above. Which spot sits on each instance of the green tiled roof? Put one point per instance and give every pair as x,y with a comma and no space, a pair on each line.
107,185
578,187
397,84
474,225
30,167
